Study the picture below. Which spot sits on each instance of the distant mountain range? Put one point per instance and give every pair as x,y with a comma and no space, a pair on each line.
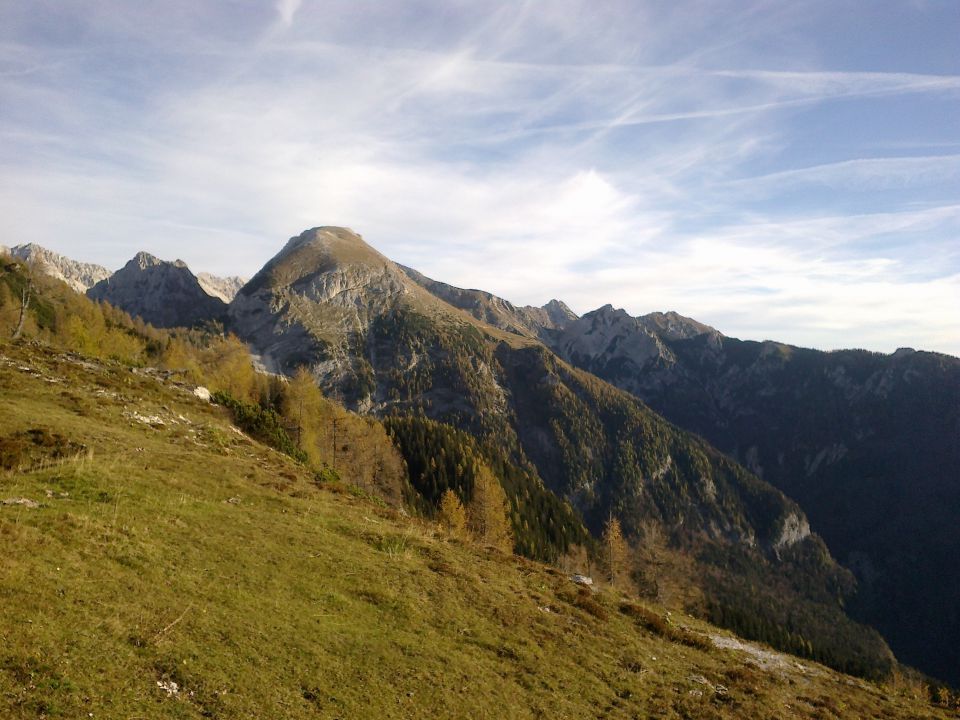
165,294
78,275
865,445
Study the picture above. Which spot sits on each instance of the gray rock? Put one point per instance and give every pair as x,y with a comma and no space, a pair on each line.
164,294
78,275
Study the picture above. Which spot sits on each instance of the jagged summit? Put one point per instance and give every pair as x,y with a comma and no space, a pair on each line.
78,275
559,313
675,326
225,288
163,293
144,260
527,321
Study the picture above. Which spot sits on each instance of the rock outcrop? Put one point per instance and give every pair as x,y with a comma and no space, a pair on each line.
78,275
527,321
164,294
225,288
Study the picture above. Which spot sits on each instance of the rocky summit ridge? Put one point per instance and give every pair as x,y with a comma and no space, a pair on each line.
225,288
80,276
162,293
390,342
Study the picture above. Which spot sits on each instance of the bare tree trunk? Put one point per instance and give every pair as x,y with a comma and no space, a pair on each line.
24,304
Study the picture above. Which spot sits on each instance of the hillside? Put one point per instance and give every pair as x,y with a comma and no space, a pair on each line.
865,443
382,344
172,567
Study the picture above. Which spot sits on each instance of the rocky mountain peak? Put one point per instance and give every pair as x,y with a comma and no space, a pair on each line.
225,288
338,244
674,326
143,260
559,313
607,317
163,293
78,275
332,285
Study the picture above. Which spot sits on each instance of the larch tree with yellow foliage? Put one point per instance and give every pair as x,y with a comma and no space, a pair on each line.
489,512
303,407
452,517
615,549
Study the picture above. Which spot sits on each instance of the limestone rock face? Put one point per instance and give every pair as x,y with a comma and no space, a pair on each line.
623,349
78,275
225,288
527,321
165,294
385,339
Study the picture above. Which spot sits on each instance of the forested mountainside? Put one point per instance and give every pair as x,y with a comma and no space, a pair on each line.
569,450
382,344
867,444
159,563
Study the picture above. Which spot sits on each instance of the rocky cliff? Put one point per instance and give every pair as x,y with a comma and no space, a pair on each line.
78,275
162,293
225,288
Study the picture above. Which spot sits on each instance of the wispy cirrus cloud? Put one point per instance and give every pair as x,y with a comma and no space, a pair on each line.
654,156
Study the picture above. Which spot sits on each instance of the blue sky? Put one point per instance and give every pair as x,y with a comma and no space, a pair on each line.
778,170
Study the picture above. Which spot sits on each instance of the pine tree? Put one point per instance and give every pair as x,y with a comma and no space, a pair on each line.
615,549
489,511
452,516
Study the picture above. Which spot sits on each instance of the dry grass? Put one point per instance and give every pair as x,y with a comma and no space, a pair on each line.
198,575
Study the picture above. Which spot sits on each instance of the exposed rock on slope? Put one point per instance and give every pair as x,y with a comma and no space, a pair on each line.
313,303
78,275
528,321
381,343
617,347
164,294
862,441
225,288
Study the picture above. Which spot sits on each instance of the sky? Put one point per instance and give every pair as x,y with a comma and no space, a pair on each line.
778,170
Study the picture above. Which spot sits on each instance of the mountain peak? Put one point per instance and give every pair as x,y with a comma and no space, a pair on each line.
341,243
163,293
608,313
78,275
559,312
143,260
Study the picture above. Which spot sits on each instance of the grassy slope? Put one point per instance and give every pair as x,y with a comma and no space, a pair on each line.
188,553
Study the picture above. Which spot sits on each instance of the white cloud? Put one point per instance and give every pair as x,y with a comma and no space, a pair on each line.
286,9
598,155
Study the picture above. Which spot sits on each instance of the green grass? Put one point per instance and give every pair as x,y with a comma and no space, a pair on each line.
186,553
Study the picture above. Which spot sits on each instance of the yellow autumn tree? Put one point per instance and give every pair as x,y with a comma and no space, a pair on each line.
228,365
452,517
302,406
614,549
489,512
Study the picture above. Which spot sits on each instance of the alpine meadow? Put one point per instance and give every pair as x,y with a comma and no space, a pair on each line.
479,360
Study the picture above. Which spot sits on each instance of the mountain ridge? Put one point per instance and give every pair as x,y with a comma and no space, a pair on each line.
381,343
80,276
162,293
465,365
